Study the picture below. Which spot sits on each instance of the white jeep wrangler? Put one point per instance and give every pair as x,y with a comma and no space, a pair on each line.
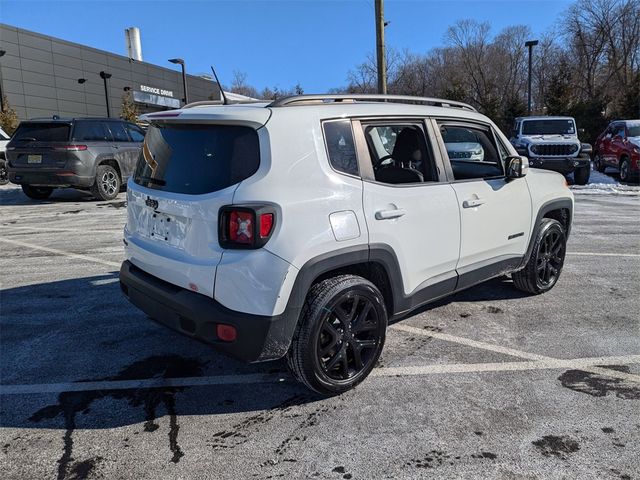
303,226
552,143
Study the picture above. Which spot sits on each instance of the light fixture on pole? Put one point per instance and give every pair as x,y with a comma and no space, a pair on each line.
179,61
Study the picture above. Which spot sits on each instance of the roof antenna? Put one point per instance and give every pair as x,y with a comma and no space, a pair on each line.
224,97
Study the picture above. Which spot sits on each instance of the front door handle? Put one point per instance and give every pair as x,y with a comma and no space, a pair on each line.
472,202
388,214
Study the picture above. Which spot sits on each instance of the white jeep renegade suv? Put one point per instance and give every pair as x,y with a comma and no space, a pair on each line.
301,227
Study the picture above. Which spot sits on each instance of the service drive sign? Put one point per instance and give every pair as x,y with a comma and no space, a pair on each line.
157,91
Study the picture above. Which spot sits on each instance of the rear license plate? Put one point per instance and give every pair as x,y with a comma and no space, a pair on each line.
34,159
160,227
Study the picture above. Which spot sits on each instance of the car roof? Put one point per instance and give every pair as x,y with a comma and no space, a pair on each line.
319,106
544,117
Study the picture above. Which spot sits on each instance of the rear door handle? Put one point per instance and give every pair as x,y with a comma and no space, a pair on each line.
388,214
472,202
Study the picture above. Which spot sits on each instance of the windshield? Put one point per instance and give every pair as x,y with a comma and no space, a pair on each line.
634,129
42,132
548,127
197,159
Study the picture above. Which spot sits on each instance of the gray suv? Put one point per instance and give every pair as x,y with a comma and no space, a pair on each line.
96,154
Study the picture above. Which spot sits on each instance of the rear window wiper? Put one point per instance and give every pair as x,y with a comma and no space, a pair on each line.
156,181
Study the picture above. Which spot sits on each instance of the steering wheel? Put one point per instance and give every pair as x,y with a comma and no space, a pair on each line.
382,159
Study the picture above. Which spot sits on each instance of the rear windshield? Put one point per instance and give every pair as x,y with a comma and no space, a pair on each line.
42,132
634,129
548,127
197,159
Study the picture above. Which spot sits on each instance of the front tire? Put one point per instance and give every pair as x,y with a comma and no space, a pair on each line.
543,269
340,334
581,175
107,184
625,170
37,193
598,163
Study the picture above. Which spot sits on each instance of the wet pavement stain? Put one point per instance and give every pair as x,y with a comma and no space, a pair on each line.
70,404
492,309
81,470
557,446
122,204
600,385
69,212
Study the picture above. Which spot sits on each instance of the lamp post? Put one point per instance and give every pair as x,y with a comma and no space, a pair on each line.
530,44
180,62
2,52
105,76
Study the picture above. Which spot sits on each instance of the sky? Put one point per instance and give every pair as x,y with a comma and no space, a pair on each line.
275,43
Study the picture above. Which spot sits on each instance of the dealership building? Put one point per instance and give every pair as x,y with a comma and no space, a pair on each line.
42,76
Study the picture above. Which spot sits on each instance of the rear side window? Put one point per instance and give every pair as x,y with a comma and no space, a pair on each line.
118,132
340,146
91,132
43,132
197,159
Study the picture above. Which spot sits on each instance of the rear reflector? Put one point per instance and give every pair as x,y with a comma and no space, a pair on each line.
226,333
71,148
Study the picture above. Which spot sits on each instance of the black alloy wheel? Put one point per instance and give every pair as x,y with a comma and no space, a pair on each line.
340,334
550,257
348,337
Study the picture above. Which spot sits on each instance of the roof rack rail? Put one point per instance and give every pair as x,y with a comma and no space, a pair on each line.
365,97
219,102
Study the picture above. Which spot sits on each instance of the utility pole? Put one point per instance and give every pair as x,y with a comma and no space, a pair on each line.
530,45
382,66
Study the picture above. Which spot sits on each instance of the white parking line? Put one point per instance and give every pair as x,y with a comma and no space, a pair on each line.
62,229
601,254
552,364
60,252
529,356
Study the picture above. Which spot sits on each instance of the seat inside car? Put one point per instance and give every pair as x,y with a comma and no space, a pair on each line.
408,153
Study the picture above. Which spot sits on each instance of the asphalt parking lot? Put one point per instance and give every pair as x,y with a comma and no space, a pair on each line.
489,383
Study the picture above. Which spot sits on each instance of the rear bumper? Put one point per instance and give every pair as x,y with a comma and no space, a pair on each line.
49,178
259,337
561,165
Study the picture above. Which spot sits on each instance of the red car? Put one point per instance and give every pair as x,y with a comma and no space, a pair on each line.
619,146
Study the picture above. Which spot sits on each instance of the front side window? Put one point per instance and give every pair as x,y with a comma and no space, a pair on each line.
472,151
197,159
91,132
340,146
399,153
618,131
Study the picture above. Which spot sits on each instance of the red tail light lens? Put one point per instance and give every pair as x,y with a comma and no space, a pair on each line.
266,224
245,226
72,148
241,227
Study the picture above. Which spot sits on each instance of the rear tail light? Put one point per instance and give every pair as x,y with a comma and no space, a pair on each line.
71,148
246,226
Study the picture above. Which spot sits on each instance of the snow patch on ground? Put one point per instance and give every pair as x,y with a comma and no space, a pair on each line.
604,184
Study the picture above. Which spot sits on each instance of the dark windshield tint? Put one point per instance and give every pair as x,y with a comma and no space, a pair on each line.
548,127
43,132
197,159
91,132
634,129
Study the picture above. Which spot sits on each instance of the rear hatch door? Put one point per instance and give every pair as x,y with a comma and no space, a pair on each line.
185,173
39,145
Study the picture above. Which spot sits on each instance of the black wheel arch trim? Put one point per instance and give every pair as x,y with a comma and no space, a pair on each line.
551,205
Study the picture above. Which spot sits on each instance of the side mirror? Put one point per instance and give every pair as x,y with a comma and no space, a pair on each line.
517,167
581,131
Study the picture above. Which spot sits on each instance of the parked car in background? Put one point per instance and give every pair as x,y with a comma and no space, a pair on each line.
299,228
619,147
552,143
95,154
4,139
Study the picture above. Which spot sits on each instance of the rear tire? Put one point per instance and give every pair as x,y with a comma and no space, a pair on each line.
107,184
4,175
340,334
581,175
37,193
543,269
